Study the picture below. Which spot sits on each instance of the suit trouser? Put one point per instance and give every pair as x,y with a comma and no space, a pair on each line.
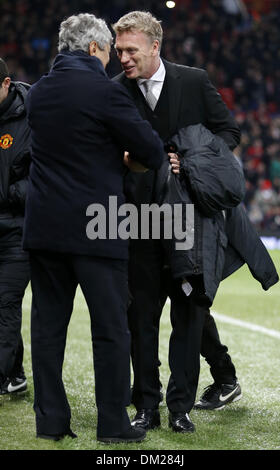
214,352
54,279
221,367
14,278
147,279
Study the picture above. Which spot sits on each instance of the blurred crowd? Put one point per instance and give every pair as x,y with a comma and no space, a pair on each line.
236,41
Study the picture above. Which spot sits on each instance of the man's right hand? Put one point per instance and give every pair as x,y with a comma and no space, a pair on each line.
133,165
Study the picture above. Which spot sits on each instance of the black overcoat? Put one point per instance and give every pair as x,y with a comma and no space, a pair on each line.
224,239
81,124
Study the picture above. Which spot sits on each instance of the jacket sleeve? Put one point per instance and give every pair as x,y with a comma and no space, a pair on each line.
17,193
219,119
212,172
243,237
134,134
19,181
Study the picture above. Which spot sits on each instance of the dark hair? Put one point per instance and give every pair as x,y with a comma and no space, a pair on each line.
4,72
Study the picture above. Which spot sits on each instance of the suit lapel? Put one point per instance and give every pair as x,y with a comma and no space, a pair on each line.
174,86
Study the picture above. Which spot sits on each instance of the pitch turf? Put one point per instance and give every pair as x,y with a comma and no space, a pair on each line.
250,424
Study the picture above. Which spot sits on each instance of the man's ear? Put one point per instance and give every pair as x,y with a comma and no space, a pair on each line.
155,47
92,48
6,83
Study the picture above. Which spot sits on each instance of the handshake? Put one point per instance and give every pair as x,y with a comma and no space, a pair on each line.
137,167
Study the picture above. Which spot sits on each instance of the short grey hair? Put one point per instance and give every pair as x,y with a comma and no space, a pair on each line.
142,21
78,31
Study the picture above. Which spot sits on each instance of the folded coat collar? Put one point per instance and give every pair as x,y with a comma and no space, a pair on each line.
77,60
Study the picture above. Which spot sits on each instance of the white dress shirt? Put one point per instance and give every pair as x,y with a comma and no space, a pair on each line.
157,79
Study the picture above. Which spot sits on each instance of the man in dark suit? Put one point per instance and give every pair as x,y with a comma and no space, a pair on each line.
170,96
81,124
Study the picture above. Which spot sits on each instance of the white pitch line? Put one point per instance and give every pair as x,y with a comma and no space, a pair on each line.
245,324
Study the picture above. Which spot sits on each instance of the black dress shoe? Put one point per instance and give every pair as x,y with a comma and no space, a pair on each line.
57,437
131,435
146,419
180,422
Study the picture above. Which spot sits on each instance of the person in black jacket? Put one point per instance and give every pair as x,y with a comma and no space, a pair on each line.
171,97
14,262
81,124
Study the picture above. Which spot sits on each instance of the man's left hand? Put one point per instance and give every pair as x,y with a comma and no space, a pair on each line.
175,162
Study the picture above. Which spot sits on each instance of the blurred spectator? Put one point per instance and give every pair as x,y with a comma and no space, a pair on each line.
265,206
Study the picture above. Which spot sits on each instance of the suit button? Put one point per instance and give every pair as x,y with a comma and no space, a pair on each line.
196,269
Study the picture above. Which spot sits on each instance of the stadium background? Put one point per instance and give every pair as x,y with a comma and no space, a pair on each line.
237,42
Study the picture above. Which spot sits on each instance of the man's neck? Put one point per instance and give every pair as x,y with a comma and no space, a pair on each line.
153,70
153,73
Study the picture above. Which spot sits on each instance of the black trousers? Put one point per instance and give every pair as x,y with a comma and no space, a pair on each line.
14,278
194,332
54,279
216,353
149,284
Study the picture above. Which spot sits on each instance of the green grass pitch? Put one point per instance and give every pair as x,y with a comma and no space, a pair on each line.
250,424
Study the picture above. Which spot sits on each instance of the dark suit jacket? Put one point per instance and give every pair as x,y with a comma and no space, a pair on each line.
81,123
190,99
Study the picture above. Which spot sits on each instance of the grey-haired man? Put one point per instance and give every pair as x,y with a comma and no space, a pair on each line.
81,125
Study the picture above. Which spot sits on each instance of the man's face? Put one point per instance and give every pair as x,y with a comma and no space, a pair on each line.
139,56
